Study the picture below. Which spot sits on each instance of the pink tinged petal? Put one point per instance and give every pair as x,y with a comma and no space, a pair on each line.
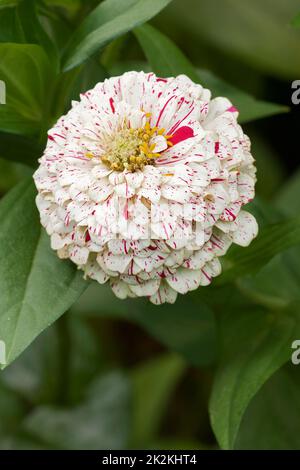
93,271
134,179
154,260
153,194
117,263
173,193
246,230
183,133
200,176
245,185
124,190
146,288
103,266
220,243
184,280
100,190
61,196
79,255
230,213
120,289
100,171
165,294
116,178
198,259
57,241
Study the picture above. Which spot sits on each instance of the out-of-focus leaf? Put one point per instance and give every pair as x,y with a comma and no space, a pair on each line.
85,356
12,410
108,21
76,81
255,344
35,374
257,32
36,286
287,200
276,285
153,385
187,327
32,30
17,148
296,20
57,365
10,28
19,442
101,421
167,60
7,3
272,419
271,240
28,76
271,170
11,174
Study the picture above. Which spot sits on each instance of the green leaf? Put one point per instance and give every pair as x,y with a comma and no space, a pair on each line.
10,28
10,174
272,419
296,21
287,199
271,240
255,344
188,327
32,30
108,21
36,286
276,285
34,375
28,76
17,148
256,32
101,421
167,60
153,385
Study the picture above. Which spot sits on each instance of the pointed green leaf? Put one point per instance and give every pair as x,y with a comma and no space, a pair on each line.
28,77
255,343
167,60
108,21
36,286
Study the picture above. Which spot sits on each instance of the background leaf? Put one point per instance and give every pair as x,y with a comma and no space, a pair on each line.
28,76
272,419
188,328
167,60
255,344
36,287
108,21
153,384
100,422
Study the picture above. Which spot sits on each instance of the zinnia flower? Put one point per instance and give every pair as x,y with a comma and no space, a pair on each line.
142,184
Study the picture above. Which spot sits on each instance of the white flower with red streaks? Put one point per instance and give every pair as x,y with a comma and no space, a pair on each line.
143,184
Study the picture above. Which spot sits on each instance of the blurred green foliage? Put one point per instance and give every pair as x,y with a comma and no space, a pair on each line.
211,370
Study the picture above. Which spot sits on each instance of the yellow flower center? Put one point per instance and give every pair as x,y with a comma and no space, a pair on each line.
131,149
